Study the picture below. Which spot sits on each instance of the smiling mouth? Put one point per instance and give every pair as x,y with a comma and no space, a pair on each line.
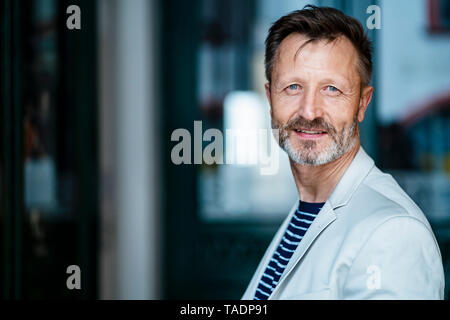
310,131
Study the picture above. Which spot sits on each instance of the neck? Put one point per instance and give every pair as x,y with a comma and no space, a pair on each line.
316,183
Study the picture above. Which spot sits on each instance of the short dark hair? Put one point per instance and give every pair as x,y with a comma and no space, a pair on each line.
321,23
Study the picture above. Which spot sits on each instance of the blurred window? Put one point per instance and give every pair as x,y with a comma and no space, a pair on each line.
438,16
232,98
52,216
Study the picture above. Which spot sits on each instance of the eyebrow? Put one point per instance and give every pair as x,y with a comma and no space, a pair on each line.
341,81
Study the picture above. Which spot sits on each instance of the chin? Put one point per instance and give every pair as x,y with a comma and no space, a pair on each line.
312,157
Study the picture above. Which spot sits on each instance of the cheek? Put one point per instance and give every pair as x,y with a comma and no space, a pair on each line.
339,115
340,112
284,107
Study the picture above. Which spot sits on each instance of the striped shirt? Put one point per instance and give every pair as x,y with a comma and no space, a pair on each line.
300,222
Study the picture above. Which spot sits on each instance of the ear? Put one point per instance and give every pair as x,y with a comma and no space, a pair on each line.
366,97
267,87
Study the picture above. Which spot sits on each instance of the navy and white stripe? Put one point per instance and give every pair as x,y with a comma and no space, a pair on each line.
299,224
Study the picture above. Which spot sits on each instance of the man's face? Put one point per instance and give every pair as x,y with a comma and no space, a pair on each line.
316,99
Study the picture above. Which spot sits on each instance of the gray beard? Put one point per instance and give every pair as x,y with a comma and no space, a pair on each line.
305,154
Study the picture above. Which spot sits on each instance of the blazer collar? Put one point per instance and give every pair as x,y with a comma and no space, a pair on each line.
352,178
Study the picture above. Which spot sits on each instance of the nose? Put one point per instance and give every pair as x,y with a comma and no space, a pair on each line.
310,105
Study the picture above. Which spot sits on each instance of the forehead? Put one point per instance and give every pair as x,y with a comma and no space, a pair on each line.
322,58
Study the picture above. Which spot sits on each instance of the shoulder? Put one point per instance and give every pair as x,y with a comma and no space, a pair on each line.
379,199
403,254
380,205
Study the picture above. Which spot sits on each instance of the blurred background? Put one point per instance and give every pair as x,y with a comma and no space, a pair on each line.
86,118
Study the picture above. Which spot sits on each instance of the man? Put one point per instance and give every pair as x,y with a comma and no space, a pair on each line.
354,233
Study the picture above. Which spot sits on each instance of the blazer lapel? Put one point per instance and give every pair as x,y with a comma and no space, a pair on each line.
323,219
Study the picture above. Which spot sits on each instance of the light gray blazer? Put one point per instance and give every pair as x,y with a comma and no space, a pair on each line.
369,241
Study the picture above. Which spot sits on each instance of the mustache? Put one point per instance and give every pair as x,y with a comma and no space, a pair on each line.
300,122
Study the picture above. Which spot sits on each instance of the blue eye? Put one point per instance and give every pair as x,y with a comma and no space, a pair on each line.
332,89
293,87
